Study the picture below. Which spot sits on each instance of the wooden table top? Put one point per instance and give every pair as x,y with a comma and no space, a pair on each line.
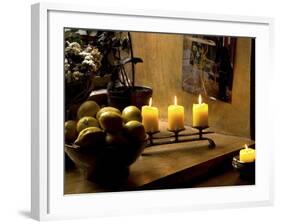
167,166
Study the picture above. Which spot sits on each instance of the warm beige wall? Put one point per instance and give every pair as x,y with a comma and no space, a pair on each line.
162,56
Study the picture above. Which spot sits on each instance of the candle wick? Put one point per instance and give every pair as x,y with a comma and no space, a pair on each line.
200,99
150,102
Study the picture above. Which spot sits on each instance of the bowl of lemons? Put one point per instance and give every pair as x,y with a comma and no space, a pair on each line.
104,142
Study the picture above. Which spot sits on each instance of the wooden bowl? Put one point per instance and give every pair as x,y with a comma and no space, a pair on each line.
106,163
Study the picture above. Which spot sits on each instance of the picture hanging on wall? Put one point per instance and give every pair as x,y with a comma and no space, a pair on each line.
161,166
208,63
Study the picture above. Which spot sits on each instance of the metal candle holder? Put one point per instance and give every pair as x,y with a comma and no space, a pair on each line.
175,137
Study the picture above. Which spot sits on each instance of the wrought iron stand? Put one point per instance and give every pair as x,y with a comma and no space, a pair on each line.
176,137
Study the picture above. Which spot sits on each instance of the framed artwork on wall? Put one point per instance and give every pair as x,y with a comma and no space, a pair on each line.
208,63
69,43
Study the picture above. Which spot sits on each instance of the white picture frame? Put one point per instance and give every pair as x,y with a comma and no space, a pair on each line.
48,200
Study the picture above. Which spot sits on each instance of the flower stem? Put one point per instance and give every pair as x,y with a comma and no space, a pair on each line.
132,56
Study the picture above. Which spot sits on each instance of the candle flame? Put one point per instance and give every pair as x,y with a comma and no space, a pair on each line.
200,99
175,100
150,101
246,147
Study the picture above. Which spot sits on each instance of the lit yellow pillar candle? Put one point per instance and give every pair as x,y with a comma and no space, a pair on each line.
200,114
150,118
247,155
175,117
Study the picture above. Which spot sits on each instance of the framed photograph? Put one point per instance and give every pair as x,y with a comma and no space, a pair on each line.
138,111
208,63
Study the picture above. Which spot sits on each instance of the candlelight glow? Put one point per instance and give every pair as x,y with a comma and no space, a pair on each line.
150,101
200,113
175,116
247,155
150,117
200,99
175,100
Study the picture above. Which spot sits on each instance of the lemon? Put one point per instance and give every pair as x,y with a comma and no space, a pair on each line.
70,132
105,109
116,140
90,137
135,130
88,108
86,122
111,122
131,113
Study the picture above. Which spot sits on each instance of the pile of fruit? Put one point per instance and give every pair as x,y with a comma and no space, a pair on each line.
97,127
